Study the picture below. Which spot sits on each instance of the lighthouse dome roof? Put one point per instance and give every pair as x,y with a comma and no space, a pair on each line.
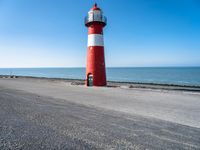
95,7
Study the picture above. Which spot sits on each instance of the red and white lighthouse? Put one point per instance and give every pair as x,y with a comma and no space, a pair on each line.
95,70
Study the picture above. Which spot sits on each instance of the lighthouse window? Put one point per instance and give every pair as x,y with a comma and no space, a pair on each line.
97,15
90,16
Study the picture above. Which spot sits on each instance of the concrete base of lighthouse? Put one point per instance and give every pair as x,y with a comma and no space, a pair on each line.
90,81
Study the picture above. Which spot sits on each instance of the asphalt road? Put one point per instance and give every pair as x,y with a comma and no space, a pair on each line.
30,121
175,106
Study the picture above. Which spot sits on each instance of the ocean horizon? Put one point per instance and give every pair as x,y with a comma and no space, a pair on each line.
158,75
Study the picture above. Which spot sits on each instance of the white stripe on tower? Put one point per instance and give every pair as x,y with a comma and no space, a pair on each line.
95,40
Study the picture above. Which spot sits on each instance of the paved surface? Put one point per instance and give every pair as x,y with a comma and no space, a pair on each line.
174,106
30,121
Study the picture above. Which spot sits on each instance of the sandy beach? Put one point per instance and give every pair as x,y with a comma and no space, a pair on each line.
40,113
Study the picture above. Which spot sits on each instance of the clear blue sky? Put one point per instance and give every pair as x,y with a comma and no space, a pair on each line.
51,33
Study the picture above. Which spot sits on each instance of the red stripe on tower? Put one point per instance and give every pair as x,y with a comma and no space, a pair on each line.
95,70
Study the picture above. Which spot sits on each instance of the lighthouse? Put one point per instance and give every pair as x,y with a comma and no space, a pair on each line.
95,70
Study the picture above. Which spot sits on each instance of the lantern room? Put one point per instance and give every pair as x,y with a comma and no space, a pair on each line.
95,15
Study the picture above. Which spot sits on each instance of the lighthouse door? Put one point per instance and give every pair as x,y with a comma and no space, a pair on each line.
90,80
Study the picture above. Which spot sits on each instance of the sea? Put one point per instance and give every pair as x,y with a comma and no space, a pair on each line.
157,75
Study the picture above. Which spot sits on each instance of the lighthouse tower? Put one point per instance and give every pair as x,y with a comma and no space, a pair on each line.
95,70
